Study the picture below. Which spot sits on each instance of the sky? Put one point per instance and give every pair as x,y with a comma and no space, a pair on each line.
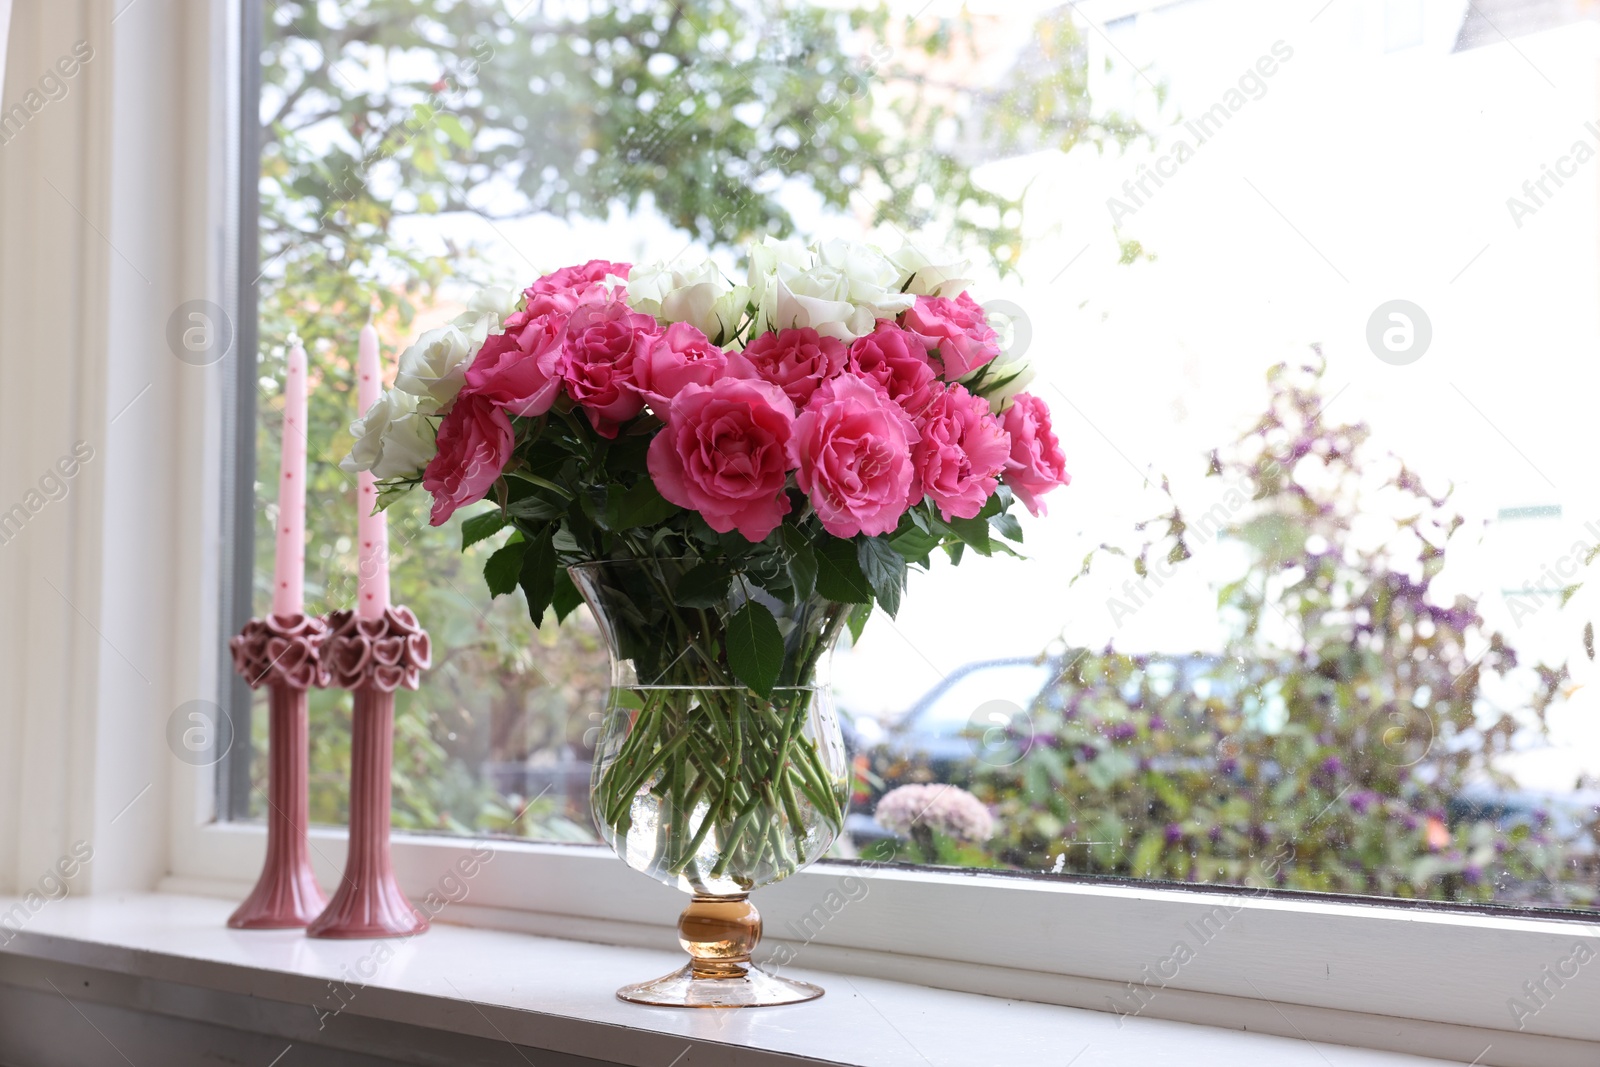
1370,165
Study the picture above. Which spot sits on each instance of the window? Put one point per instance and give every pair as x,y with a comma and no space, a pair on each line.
1252,645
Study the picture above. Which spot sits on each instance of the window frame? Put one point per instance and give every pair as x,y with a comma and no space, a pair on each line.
1409,978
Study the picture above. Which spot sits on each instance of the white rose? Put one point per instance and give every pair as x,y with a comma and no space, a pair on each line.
488,308
874,281
434,368
763,280
393,440
1009,373
818,298
1010,380
931,271
694,293
843,295
499,300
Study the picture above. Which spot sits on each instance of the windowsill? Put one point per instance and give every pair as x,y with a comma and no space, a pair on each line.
542,993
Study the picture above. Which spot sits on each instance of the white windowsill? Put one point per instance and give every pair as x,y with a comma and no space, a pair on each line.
1407,980
548,994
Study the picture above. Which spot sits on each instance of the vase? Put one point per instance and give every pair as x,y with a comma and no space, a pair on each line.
281,653
703,783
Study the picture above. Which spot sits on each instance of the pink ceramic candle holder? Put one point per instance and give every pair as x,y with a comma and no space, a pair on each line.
373,657
281,652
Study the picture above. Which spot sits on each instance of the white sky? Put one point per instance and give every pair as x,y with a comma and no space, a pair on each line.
1376,165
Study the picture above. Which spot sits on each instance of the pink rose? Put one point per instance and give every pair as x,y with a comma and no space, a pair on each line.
961,454
724,453
681,356
852,445
520,369
957,328
896,364
598,362
797,361
577,277
1037,464
563,302
475,441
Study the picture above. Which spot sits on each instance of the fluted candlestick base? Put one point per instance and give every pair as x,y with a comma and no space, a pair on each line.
368,902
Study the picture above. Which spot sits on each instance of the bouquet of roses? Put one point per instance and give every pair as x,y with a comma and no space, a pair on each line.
771,456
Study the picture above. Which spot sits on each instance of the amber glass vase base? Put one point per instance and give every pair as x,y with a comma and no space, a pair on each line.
754,988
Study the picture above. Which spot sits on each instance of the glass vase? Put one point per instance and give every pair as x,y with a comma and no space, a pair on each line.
705,784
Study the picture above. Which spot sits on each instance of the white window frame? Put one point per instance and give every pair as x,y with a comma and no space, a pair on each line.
1414,979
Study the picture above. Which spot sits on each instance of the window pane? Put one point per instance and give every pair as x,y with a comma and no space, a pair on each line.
1311,291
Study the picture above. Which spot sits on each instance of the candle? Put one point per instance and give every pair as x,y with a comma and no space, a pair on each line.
372,528
288,578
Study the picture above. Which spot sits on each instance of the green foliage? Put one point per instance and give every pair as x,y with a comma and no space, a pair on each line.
755,647
1330,744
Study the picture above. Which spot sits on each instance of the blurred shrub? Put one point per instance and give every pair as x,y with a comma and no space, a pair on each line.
1328,745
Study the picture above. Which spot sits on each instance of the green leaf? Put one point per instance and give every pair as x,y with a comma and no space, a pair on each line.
1146,853
704,586
479,527
452,129
1007,526
538,576
974,533
643,505
915,544
885,570
566,598
504,568
536,508
839,576
755,647
798,560
857,621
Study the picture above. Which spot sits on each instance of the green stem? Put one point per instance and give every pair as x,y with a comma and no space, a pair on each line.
623,797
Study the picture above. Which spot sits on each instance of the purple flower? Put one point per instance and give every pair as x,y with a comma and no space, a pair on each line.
1473,874
1174,833
1088,753
1123,731
1361,802
1157,724
1326,773
1215,834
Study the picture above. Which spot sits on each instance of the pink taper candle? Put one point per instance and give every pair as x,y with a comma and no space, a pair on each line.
288,575
372,530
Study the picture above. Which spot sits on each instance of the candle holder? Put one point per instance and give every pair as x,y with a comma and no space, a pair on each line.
282,653
373,657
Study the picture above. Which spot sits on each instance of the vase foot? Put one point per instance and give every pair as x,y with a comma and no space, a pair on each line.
754,988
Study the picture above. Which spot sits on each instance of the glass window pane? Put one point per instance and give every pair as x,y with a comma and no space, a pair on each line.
1311,291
